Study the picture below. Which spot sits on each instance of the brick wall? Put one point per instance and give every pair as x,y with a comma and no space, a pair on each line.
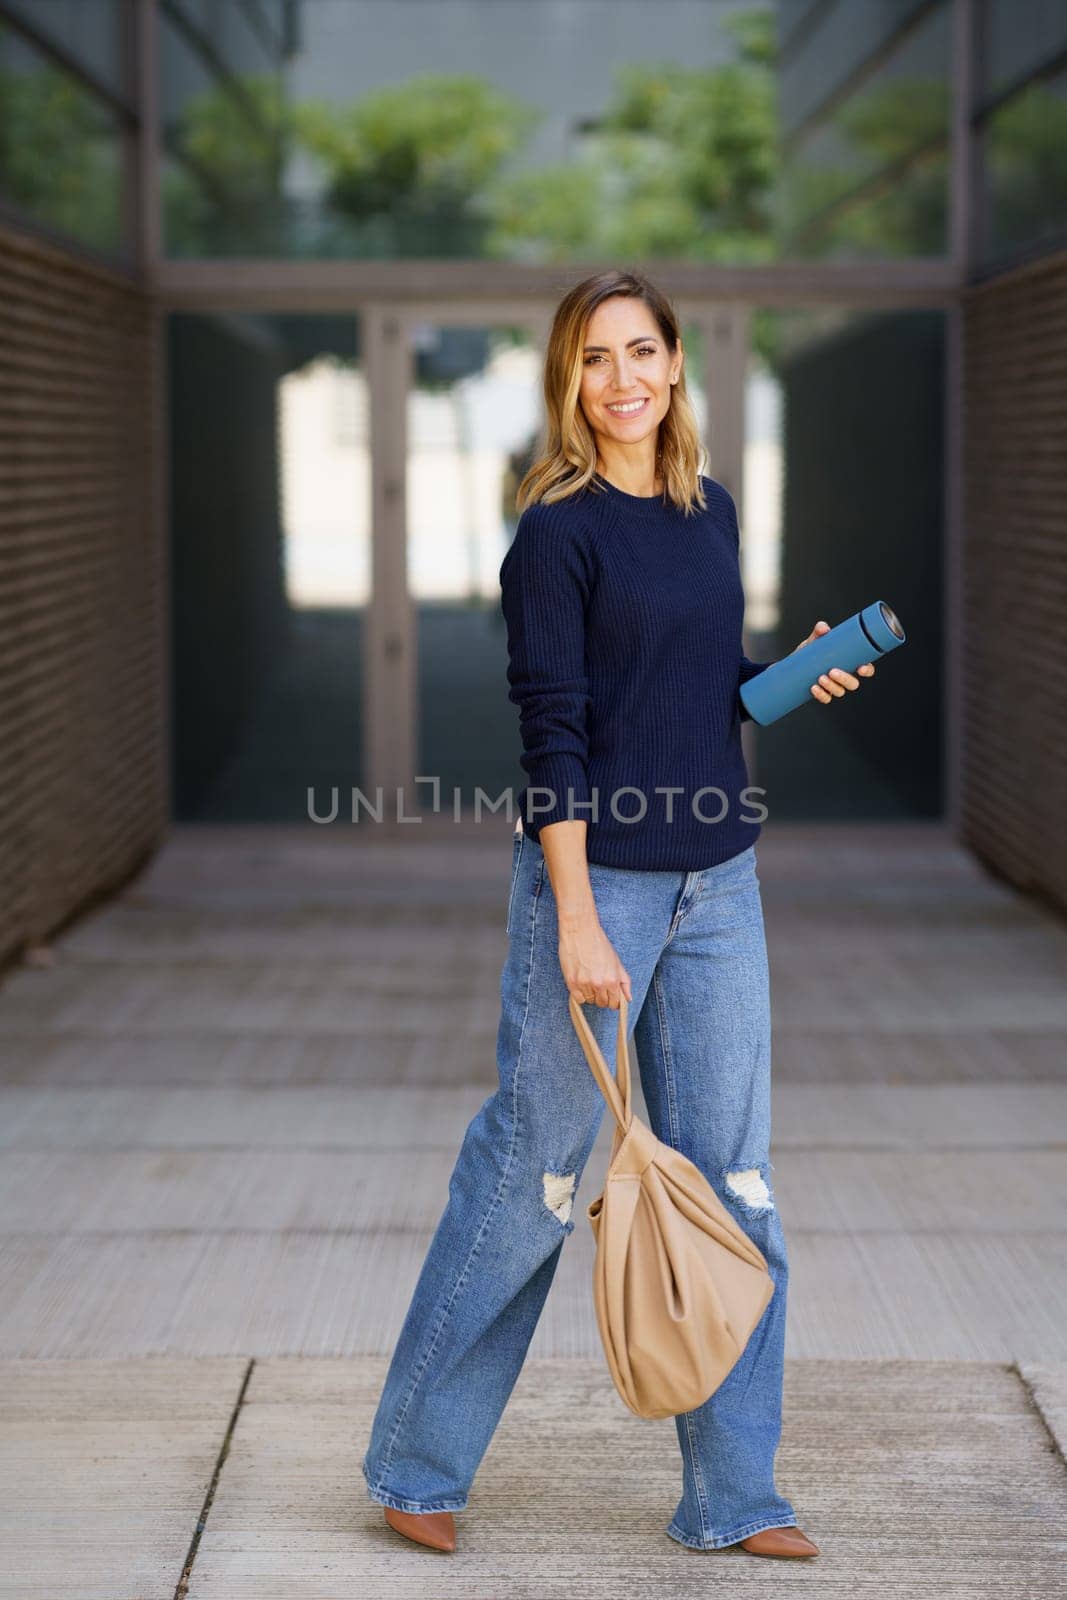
1014,601
82,713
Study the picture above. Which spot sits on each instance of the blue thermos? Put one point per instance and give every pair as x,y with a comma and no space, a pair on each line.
786,684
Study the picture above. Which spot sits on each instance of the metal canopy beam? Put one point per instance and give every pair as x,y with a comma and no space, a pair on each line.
254,285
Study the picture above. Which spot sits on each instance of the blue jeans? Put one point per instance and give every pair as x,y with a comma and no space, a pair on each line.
693,945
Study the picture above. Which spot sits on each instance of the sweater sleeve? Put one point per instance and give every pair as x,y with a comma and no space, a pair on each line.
746,669
544,586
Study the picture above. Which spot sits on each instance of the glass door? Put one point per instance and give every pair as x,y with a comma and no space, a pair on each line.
474,425
271,563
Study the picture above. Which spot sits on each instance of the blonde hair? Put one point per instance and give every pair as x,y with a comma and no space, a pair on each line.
568,461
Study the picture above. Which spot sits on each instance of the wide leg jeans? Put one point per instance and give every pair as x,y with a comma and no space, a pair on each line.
693,944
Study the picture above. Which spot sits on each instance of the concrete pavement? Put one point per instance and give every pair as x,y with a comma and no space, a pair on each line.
228,1113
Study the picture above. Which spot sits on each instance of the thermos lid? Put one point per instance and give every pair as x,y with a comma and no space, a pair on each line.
892,619
882,626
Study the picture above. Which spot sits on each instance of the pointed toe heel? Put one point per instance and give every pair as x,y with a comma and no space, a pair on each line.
779,1542
435,1529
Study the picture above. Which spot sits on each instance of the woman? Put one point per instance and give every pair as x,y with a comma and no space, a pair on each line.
633,872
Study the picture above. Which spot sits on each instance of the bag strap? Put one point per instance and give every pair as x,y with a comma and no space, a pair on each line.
615,1089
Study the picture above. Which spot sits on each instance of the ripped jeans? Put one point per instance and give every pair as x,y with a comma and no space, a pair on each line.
693,945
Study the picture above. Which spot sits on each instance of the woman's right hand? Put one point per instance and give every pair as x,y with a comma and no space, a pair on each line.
591,969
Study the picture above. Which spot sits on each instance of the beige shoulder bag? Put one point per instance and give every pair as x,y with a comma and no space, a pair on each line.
678,1285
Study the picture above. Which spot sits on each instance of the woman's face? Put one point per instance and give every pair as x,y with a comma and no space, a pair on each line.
627,372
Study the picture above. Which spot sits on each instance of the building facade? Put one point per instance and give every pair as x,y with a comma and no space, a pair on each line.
274,281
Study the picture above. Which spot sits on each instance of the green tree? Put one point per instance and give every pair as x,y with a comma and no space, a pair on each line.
1025,148
60,156
682,163
414,161
899,129
223,191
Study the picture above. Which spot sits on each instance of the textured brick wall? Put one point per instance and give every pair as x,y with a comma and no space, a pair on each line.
82,718
1014,602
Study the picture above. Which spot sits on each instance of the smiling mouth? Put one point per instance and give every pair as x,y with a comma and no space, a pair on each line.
631,408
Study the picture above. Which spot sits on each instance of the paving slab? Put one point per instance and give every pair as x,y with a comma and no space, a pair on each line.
1019,980
324,1189
828,1116
912,1477
934,1296
104,1469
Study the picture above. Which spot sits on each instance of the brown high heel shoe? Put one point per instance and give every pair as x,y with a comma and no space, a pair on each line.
779,1542
435,1529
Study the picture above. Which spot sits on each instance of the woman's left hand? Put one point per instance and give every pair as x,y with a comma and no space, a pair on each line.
832,684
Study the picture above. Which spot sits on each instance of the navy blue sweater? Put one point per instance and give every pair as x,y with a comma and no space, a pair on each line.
624,658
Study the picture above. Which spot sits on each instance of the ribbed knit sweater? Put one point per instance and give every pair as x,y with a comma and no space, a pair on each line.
624,658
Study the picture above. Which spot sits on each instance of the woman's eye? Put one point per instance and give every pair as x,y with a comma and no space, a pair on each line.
642,350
